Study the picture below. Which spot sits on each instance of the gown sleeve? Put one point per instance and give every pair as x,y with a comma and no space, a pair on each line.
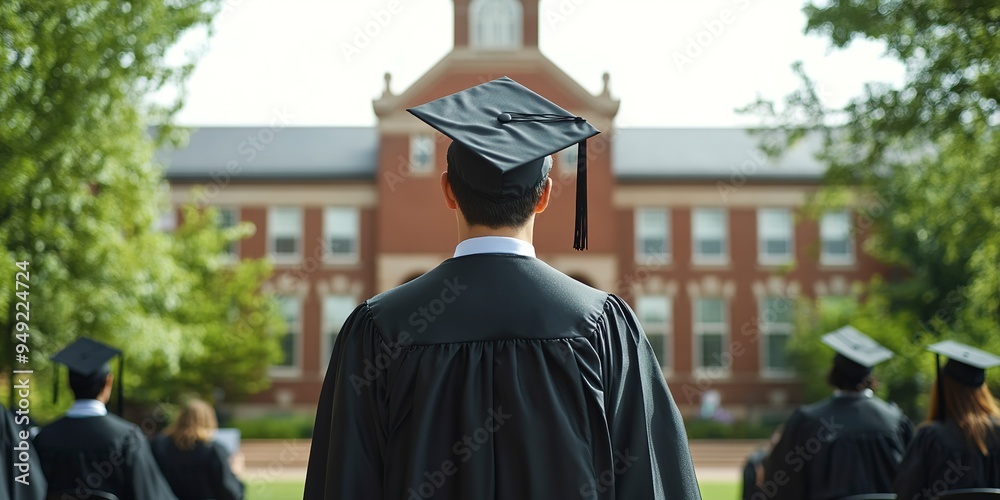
225,484
146,479
913,471
17,490
783,469
348,442
645,425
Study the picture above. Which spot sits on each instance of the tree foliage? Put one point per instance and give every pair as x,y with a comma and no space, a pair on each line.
80,197
929,153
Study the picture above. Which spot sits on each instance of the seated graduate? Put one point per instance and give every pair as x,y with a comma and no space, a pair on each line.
848,444
89,450
753,469
25,480
196,466
494,375
958,447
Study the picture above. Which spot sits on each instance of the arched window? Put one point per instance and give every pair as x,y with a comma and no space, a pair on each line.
496,24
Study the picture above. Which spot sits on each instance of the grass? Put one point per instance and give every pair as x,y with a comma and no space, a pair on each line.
288,490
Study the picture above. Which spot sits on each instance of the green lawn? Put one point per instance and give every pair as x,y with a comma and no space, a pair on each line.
290,490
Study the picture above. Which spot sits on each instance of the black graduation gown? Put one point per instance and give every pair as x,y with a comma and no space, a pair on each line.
200,473
496,377
26,481
750,471
939,460
841,446
100,453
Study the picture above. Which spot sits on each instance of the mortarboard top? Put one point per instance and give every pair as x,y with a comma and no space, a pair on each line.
502,132
89,358
857,347
86,357
966,364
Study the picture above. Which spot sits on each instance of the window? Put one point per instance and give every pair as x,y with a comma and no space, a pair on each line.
710,230
336,309
167,223
774,236
228,218
710,333
284,227
291,310
567,159
835,238
341,233
776,317
654,313
421,154
652,235
495,24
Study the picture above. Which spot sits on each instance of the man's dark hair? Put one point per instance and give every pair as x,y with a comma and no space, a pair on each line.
481,211
87,387
848,381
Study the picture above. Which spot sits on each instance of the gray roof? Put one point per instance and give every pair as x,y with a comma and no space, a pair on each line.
303,153
275,153
708,153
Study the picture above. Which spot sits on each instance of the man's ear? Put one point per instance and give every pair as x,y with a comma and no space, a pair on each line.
543,202
449,195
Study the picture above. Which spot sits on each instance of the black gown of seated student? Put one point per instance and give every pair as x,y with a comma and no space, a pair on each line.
943,456
848,444
23,481
200,469
91,450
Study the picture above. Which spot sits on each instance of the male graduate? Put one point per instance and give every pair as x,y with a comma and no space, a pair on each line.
494,375
848,444
89,450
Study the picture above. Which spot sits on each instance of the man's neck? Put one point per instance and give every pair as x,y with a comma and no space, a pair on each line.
522,233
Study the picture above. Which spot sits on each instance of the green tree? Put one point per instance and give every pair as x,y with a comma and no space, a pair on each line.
924,157
80,196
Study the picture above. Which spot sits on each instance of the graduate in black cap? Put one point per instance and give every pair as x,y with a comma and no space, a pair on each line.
494,375
848,444
89,450
958,447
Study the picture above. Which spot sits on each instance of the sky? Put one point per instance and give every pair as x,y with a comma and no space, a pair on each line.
673,63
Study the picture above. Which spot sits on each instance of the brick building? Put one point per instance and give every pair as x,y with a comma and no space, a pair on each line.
703,236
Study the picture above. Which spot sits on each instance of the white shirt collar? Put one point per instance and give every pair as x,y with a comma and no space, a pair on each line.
83,408
494,244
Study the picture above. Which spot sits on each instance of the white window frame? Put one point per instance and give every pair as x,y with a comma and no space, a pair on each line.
423,149
768,328
232,254
641,231
665,328
167,221
699,329
567,160
353,232
272,234
768,259
479,18
827,259
328,324
709,260
294,329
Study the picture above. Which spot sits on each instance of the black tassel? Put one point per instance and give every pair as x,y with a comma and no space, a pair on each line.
940,387
580,234
55,385
121,385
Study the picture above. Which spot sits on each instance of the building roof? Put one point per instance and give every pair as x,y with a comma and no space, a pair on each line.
275,153
307,153
708,153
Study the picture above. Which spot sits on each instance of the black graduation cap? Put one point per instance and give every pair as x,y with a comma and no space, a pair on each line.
966,365
89,359
857,353
502,132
